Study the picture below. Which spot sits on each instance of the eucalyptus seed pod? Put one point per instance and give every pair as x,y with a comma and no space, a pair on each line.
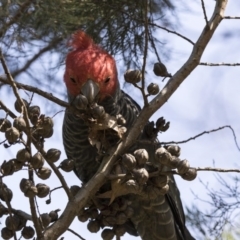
190,175
160,123
25,184
106,212
108,221
5,193
44,173
160,181
33,114
141,156
173,163
107,234
84,216
80,102
93,226
163,190
42,189
53,155
98,111
12,134
8,167
45,127
54,215
3,210
46,219
67,165
18,107
129,161
149,130
74,189
4,124
12,222
120,230
165,127
121,218
175,150
37,160
34,110
123,205
133,76
6,233
31,192
23,155
19,123
129,212
183,166
93,213
47,133
22,223
153,89
121,120
163,156
160,70
18,165
28,232
141,175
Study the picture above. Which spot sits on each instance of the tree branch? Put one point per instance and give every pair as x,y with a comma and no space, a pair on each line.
38,91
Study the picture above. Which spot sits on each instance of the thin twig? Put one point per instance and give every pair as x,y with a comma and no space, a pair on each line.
35,218
230,17
173,32
44,94
217,169
76,234
49,200
36,56
219,64
153,45
204,12
145,53
7,110
205,132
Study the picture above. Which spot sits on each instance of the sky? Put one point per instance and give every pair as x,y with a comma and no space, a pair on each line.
207,99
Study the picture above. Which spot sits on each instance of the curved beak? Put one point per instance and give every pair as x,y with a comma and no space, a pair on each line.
90,90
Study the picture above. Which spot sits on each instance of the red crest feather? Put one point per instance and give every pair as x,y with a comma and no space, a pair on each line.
81,40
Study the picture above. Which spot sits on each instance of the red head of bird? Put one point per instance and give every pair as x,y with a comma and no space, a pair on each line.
89,63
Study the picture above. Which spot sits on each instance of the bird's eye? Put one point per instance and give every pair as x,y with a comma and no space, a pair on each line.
72,79
107,80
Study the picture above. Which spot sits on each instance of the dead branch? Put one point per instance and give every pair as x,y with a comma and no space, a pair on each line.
205,132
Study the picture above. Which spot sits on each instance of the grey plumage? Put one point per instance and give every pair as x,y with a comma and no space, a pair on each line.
159,219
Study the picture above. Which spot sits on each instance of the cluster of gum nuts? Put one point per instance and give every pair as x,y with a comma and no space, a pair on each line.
41,128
